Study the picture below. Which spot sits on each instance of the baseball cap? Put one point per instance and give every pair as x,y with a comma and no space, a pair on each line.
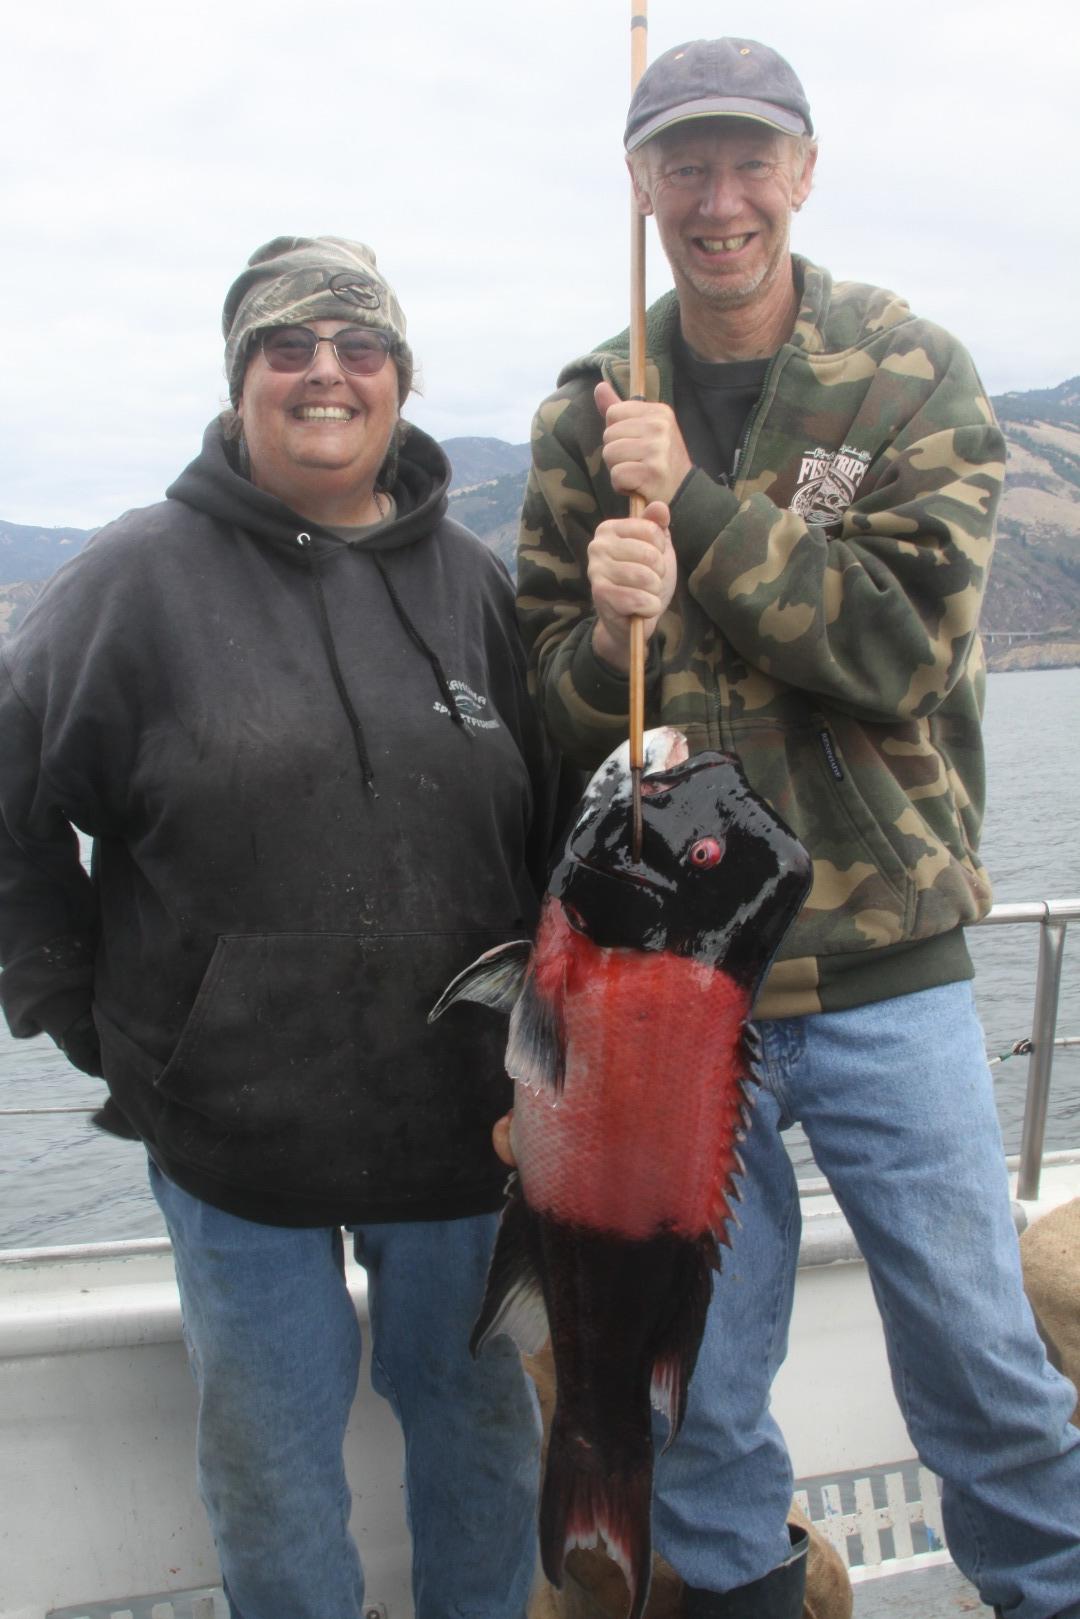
710,78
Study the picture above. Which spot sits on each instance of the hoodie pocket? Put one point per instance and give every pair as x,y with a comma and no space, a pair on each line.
843,807
298,1028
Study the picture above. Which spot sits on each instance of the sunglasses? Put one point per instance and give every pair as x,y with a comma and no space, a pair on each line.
358,349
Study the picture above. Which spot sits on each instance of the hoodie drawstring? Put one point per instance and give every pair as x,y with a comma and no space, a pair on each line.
421,645
355,725
339,682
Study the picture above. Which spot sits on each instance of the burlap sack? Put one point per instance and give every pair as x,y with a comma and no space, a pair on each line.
1050,1254
593,1588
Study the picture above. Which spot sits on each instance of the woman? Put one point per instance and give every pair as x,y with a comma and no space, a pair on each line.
288,705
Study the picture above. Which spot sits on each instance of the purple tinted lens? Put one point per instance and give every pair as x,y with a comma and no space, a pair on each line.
289,348
361,352
293,348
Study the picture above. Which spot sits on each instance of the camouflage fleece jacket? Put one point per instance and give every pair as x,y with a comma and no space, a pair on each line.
823,626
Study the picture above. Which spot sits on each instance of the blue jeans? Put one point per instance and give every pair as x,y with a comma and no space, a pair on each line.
897,1103
274,1346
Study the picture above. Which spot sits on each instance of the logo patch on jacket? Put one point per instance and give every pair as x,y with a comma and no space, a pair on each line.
470,705
827,483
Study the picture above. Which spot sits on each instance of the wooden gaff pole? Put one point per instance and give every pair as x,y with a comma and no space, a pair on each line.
639,37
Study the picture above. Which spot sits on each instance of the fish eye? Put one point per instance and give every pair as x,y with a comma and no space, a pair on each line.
706,852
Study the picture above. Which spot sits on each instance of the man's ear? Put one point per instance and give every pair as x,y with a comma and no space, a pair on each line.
801,189
642,199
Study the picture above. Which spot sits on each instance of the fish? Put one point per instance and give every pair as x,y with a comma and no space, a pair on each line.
633,1065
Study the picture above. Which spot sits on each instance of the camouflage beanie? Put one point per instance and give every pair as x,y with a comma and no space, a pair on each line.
294,279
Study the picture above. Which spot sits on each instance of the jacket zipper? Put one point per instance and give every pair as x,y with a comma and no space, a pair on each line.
752,419
729,480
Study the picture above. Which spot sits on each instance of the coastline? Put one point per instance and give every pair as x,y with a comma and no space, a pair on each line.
1063,654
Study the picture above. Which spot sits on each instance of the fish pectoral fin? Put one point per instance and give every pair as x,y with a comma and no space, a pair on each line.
514,1299
536,1049
494,979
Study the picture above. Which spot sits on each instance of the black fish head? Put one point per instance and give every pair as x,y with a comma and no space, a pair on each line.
720,876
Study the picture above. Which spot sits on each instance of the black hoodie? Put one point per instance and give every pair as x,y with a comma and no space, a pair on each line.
315,785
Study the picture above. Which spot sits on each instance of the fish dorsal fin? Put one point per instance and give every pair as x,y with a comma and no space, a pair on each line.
730,1170
514,1300
752,1051
536,1049
494,979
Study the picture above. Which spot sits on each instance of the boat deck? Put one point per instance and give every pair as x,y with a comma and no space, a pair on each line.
937,1592
885,1524
929,1593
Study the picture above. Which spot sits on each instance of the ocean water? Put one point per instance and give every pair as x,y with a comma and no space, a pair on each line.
64,1182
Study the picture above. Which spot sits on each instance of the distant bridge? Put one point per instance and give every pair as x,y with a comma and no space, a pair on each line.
1066,632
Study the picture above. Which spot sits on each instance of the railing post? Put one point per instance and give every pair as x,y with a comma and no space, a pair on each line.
1044,1022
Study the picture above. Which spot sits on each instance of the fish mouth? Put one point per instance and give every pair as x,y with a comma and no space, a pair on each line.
668,764
620,874
663,749
673,775
654,789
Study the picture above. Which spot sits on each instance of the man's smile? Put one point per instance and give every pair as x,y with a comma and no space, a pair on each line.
722,244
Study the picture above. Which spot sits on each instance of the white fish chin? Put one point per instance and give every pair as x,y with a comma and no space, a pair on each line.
664,748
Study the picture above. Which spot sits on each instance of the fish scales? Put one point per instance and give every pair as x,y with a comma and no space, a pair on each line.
636,1143
629,1050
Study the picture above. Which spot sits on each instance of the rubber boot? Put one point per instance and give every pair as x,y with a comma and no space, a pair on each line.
778,1595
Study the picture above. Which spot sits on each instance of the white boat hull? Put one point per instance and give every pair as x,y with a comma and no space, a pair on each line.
97,1494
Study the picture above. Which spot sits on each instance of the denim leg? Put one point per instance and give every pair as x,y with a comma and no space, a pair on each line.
897,1102
472,1432
723,1491
274,1347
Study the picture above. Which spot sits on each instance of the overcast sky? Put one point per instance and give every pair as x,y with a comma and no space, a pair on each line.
476,146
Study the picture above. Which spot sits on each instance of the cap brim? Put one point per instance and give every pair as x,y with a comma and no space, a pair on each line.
762,112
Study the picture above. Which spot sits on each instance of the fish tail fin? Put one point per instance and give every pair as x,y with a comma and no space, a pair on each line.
513,1298
578,1504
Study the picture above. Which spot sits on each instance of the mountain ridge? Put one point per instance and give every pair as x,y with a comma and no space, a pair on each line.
1031,615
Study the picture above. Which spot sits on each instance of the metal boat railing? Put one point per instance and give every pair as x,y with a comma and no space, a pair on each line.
1052,918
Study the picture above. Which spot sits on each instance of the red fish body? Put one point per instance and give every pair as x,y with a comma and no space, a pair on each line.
637,1143
630,1053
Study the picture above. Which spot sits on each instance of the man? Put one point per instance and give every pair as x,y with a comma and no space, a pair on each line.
821,470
